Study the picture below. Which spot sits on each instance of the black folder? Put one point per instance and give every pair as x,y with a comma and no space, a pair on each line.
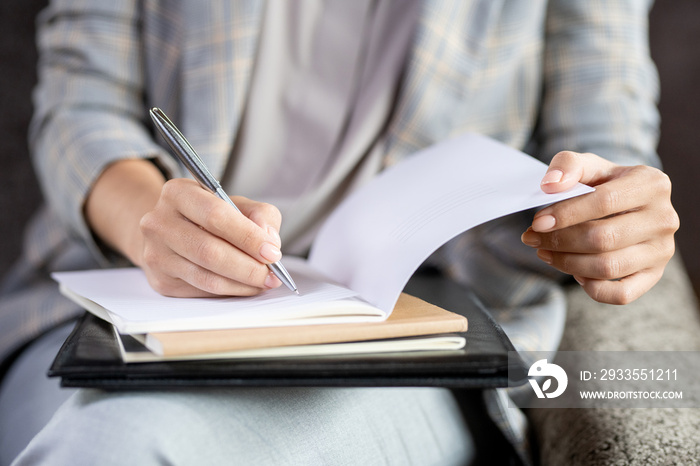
90,357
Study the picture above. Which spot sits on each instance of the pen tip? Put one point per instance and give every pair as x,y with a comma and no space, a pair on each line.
297,292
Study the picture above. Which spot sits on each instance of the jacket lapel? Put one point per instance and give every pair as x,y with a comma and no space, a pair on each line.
220,39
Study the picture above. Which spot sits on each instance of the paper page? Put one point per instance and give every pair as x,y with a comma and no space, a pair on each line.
125,298
379,236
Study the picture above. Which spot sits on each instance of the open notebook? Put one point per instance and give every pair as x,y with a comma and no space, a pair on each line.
91,357
363,255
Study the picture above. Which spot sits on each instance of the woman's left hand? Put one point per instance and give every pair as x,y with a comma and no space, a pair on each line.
615,241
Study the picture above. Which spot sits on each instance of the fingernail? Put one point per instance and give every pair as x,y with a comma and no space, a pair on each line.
271,281
530,238
544,223
579,280
553,176
270,252
545,255
274,234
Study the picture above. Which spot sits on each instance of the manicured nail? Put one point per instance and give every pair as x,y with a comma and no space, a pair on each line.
274,234
271,281
545,255
553,176
579,280
270,252
544,223
530,238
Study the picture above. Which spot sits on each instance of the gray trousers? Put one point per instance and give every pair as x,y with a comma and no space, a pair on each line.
275,426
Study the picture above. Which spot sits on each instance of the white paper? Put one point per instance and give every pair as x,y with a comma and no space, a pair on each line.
124,297
376,239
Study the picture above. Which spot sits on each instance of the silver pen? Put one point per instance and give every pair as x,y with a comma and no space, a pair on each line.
188,156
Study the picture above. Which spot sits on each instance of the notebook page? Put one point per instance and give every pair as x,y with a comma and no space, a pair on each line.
125,298
375,240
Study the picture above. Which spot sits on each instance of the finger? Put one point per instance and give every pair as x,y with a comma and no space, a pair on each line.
159,264
609,265
218,285
186,279
219,218
174,287
622,291
217,256
266,216
640,186
568,168
595,236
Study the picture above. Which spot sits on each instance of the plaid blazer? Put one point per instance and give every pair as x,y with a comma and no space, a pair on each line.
539,75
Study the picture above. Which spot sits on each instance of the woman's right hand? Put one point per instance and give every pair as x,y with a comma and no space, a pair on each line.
195,244
189,242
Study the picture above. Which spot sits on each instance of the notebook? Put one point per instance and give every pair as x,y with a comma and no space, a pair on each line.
91,357
414,325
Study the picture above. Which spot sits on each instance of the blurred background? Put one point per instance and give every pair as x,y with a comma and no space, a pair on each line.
675,47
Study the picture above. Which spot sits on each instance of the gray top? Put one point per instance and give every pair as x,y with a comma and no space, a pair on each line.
322,93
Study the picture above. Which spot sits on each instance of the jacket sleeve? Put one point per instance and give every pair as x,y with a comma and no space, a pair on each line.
600,85
89,104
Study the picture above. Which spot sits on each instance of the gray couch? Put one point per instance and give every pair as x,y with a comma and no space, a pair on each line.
664,319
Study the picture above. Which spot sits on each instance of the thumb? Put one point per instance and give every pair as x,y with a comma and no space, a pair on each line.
568,168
